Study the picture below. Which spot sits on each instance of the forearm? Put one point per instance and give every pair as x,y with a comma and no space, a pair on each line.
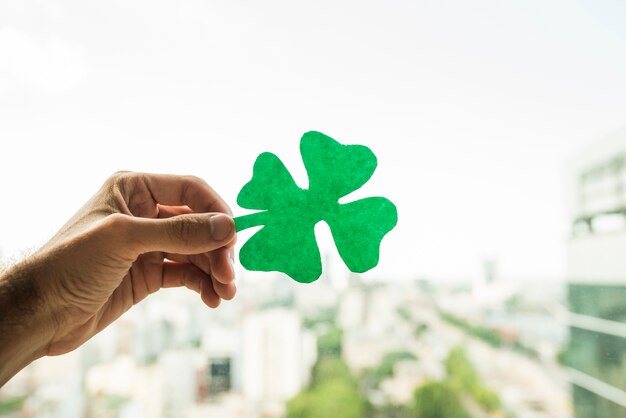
24,320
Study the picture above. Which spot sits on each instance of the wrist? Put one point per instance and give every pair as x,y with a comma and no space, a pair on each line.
26,322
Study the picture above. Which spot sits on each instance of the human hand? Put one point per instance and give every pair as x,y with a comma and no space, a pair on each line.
137,234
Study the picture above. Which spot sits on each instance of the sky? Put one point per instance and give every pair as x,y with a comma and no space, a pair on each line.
472,108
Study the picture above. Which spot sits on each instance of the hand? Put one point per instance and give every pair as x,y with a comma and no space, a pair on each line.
139,233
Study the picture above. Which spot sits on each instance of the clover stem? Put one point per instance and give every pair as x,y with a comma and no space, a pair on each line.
249,221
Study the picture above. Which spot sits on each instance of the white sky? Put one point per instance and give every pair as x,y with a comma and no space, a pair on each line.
472,108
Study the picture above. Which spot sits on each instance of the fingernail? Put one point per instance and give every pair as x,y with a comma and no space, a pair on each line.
221,226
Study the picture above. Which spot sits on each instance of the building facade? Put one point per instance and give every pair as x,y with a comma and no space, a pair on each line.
277,355
596,355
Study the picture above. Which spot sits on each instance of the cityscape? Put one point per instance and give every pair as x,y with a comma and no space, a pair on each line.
262,356
355,347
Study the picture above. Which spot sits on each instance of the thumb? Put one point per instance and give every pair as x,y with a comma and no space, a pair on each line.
183,234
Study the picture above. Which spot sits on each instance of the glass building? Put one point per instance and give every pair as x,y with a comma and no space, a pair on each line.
596,355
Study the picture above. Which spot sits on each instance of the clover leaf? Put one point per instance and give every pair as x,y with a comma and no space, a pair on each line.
287,243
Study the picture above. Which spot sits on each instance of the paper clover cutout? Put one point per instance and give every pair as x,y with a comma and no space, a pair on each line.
287,243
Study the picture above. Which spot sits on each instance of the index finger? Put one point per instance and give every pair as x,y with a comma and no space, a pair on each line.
174,190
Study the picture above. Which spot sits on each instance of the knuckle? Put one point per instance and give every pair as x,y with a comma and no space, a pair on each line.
194,179
191,184
121,173
119,176
183,229
112,233
116,179
117,224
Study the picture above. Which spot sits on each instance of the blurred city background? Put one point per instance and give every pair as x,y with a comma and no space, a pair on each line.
500,134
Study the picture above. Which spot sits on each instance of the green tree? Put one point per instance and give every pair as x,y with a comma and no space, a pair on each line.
331,399
463,378
486,398
331,369
420,329
404,313
333,392
329,342
300,405
10,405
385,368
461,373
391,411
437,400
323,316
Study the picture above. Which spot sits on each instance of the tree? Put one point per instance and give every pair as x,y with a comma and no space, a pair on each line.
487,399
437,400
463,378
300,405
332,369
329,342
331,399
385,368
461,373
333,392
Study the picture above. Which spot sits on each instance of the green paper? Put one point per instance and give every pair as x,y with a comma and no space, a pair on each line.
287,243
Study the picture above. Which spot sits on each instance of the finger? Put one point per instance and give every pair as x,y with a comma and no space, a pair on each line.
188,275
217,263
208,294
225,291
165,211
202,261
172,190
180,258
230,247
221,263
183,234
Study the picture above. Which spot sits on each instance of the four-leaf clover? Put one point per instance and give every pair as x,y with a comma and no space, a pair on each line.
287,243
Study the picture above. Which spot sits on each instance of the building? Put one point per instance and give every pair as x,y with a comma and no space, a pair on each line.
596,355
277,357
221,346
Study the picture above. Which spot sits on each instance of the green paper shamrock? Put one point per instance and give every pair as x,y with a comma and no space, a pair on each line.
287,243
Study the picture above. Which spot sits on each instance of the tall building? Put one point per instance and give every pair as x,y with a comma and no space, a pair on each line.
221,346
596,354
278,354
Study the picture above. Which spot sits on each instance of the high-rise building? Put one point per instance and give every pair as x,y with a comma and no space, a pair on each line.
596,355
278,354
221,346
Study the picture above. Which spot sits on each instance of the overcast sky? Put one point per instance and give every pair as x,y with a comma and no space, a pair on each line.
472,108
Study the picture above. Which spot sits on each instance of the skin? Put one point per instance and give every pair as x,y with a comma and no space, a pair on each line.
139,233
